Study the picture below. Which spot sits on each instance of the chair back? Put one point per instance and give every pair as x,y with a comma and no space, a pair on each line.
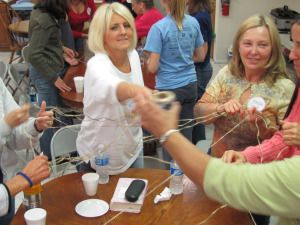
63,142
3,70
18,74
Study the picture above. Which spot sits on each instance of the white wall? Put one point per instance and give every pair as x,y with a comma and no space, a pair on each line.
226,26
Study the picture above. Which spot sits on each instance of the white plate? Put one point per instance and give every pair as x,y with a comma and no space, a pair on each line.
92,208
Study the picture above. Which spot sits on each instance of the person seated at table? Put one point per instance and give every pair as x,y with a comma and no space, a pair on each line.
285,143
80,13
113,76
19,131
271,188
147,15
257,69
46,56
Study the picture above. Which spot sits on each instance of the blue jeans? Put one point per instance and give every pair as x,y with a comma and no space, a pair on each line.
187,97
50,94
204,75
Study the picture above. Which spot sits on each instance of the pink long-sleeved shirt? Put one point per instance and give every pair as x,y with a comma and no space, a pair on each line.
275,148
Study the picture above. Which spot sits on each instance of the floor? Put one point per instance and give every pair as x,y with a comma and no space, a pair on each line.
150,163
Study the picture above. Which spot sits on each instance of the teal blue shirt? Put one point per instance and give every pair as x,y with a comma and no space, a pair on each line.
176,49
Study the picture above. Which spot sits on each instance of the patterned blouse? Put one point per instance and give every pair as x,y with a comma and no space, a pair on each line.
225,87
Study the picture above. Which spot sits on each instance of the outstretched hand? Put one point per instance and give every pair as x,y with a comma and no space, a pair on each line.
17,116
44,118
154,118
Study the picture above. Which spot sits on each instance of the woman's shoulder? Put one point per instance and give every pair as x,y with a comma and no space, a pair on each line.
285,83
44,19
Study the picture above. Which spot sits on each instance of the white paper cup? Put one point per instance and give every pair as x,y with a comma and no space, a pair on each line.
36,216
90,183
78,81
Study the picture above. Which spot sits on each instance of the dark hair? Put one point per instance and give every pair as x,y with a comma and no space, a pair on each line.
56,8
198,6
148,3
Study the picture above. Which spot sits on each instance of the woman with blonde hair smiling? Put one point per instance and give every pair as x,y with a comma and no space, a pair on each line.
256,73
112,78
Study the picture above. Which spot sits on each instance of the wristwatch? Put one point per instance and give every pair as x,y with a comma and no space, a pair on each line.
166,135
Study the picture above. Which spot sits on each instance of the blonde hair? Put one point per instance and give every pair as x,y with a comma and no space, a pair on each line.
276,66
100,24
177,10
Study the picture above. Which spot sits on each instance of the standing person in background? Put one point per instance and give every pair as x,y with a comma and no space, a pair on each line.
80,12
147,15
173,44
19,131
112,78
46,54
201,10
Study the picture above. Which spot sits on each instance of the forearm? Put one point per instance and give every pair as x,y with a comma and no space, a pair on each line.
192,161
16,185
207,112
126,90
270,150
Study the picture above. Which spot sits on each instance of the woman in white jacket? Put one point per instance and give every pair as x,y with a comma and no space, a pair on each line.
19,131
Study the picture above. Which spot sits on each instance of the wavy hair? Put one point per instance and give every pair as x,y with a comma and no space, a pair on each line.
276,66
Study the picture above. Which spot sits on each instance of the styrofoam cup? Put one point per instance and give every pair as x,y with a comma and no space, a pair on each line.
35,216
78,81
90,183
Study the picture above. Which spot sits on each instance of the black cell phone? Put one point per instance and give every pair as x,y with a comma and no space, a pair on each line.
134,190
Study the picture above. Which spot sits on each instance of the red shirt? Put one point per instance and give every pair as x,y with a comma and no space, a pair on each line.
275,147
77,20
144,22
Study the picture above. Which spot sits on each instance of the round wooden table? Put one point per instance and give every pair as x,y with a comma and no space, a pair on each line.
72,98
60,196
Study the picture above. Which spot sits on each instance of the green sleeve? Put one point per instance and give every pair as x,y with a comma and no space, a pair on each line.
35,52
271,189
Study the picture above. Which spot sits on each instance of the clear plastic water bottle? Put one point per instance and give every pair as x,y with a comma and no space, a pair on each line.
101,162
176,182
32,95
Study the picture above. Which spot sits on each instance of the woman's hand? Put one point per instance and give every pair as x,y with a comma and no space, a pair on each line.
232,156
70,56
18,116
61,85
37,169
231,107
154,118
291,133
44,118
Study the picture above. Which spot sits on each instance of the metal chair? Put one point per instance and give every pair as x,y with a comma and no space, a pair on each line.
63,142
3,71
18,78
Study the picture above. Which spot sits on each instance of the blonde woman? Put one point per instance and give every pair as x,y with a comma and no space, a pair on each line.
257,69
112,78
174,43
